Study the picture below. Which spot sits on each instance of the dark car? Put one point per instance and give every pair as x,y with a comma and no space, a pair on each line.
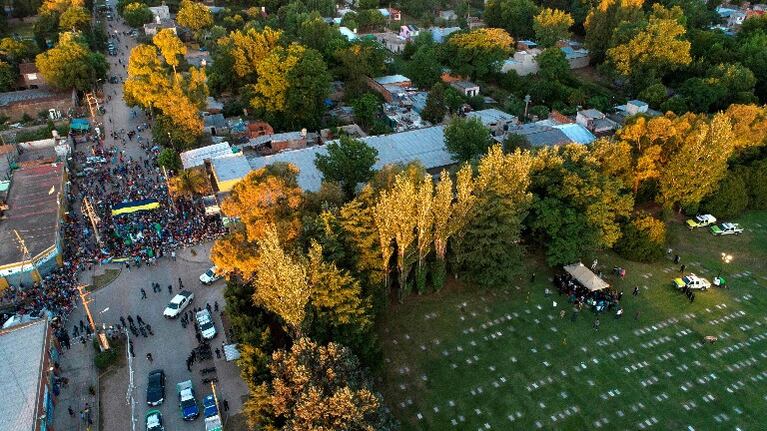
155,389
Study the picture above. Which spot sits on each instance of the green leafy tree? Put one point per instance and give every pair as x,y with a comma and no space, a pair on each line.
169,159
435,110
308,86
514,16
71,64
756,178
137,14
366,110
454,100
658,48
579,206
349,162
467,138
370,19
424,69
7,77
491,251
654,95
479,52
166,133
752,52
551,26
730,199
554,66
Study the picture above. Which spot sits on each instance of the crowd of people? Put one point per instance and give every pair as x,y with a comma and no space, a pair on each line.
578,295
107,176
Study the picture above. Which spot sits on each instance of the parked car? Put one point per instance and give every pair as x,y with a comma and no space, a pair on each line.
178,303
727,229
205,324
93,160
692,281
155,388
154,420
186,401
701,220
210,276
212,419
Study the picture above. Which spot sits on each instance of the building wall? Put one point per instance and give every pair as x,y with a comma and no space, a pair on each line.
44,263
16,111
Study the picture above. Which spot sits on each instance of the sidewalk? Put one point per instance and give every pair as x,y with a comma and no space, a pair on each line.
77,365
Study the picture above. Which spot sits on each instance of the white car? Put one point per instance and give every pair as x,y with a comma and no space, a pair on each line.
205,323
177,304
701,220
727,229
692,281
210,276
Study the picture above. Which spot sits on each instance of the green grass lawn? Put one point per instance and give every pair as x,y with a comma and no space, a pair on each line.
507,361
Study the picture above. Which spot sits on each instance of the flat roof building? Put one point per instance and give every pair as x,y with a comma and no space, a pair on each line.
27,352
34,213
197,156
228,171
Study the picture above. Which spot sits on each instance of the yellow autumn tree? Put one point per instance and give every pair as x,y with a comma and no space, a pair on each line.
323,388
424,229
147,81
59,6
268,196
478,52
280,283
658,48
749,125
194,16
249,48
170,47
604,18
272,86
396,214
551,26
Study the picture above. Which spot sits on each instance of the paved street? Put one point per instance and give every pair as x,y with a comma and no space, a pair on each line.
171,344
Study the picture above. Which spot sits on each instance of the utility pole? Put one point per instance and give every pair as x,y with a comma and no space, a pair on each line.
129,395
25,256
527,103
88,210
103,342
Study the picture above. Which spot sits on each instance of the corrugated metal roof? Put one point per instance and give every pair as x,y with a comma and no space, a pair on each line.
196,157
424,145
391,79
22,350
230,168
577,133
491,116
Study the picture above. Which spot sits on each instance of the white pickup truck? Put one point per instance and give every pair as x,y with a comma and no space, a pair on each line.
692,281
727,229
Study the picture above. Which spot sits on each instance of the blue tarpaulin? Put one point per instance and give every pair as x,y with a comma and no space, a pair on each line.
79,124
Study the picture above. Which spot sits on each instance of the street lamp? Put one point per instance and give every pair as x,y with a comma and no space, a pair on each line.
726,258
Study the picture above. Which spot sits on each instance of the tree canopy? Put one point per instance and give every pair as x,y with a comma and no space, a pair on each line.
349,162
552,25
467,138
71,64
479,52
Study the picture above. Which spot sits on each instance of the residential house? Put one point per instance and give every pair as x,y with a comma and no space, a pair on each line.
540,134
409,31
228,171
391,41
596,122
30,77
576,55
215,124
395,14
631,108
213,106
523,63
14,104
389,85
447,15
259,128
198,156
475,22
733,16
160,12
158,24
440,34
497,121
277,142
467,88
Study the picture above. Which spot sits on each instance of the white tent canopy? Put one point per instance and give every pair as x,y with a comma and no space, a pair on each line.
585,277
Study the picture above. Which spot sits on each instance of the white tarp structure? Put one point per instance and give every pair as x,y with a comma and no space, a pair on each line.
585,277
231,353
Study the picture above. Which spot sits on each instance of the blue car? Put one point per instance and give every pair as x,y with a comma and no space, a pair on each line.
209,406
187,402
